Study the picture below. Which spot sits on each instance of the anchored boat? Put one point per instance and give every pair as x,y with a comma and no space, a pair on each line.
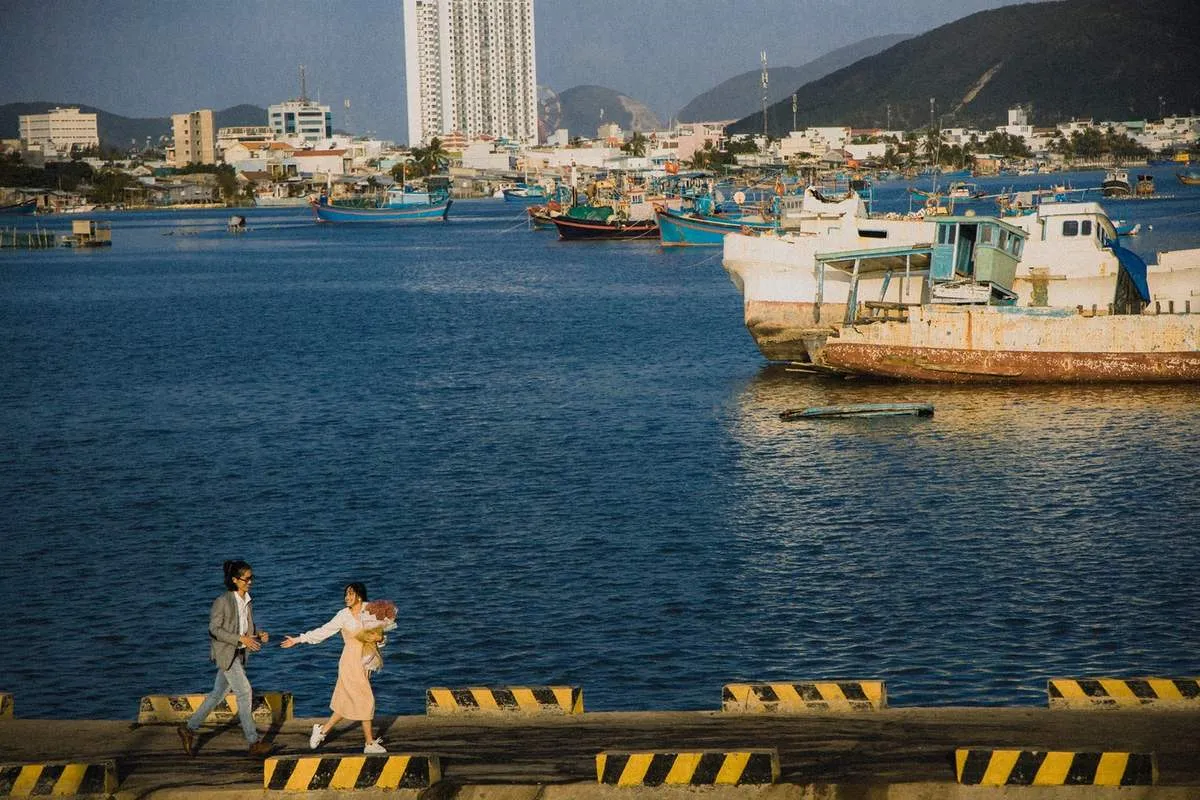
993,339
396,205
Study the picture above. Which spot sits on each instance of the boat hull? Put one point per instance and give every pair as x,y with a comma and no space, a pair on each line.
22,208
329,213
578,230
685,230
992,345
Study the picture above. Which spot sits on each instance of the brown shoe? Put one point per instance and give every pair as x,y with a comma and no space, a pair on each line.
188,739
260,749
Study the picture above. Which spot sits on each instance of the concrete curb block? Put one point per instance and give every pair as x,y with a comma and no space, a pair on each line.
981,767
268,708
687,768
1093,693
505,699
58,778
805,696
346,772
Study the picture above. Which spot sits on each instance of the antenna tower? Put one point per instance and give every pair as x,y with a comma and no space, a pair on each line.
303,88
764,90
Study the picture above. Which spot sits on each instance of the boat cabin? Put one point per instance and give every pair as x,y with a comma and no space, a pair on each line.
979,250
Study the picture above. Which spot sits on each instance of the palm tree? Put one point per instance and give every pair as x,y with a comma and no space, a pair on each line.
636,146
431,159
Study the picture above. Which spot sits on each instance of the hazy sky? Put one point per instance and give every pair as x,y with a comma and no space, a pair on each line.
153,58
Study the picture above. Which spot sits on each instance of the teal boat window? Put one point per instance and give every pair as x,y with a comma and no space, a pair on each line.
985,234
946,233
1070,227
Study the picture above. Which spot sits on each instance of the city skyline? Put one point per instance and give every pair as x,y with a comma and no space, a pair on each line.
140,59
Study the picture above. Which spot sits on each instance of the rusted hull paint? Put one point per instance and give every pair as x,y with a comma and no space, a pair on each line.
972,366
985,345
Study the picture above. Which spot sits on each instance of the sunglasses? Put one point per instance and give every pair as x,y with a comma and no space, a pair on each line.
247,579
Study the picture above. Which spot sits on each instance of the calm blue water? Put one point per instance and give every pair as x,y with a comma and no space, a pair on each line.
564,462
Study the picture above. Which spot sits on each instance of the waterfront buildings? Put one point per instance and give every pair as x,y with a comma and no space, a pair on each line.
59,129
300,121
470,68
195,138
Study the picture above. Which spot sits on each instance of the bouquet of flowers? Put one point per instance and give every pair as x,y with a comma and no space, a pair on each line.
378,617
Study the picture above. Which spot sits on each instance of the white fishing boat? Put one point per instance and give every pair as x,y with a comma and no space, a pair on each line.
994,339
1072,258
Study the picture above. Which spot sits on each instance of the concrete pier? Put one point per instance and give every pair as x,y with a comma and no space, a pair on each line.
891,753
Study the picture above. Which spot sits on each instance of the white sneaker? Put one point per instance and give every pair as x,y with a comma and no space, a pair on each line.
317,736
375,747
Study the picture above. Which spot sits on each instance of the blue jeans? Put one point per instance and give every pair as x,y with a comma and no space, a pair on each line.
233,679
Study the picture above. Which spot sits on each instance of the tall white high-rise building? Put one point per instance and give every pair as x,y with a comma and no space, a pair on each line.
471,68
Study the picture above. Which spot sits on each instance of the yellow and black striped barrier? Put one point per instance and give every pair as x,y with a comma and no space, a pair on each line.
1054,768
1122,692
805,696
58,778
6,706
268,708
312,773
696,768
519,699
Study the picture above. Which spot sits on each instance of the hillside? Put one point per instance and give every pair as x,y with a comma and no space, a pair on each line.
582,109
1099,59
122,132
741,95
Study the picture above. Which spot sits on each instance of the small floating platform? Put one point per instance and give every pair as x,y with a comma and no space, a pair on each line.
860,410
87,233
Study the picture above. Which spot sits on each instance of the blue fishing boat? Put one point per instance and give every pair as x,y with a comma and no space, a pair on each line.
692,229
396,205
524,193
23,207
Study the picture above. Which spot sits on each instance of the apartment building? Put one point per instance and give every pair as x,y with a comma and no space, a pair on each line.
300,121
470,67
59,129
195,138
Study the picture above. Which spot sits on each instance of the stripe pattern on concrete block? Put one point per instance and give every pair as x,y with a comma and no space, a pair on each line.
1054,768
805,696
697,768
30,780
267,708
518,699
312,773
6,706
1122,692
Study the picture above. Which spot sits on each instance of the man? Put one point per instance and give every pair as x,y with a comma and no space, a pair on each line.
232,635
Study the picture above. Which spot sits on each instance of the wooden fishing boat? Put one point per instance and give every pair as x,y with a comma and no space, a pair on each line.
1116,184
996,340
22,207
395,206
602,222
684,229
1189,177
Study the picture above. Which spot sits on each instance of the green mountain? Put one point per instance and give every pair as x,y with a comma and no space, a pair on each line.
1074,59
742,94
122,132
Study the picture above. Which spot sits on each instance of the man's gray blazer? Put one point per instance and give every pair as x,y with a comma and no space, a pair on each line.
223,629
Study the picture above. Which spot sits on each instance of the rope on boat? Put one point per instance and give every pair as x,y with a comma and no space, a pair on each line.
704,261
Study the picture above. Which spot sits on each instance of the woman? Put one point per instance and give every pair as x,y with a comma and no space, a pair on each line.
352,695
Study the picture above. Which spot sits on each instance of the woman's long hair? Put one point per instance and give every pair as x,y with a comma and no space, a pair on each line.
359,589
